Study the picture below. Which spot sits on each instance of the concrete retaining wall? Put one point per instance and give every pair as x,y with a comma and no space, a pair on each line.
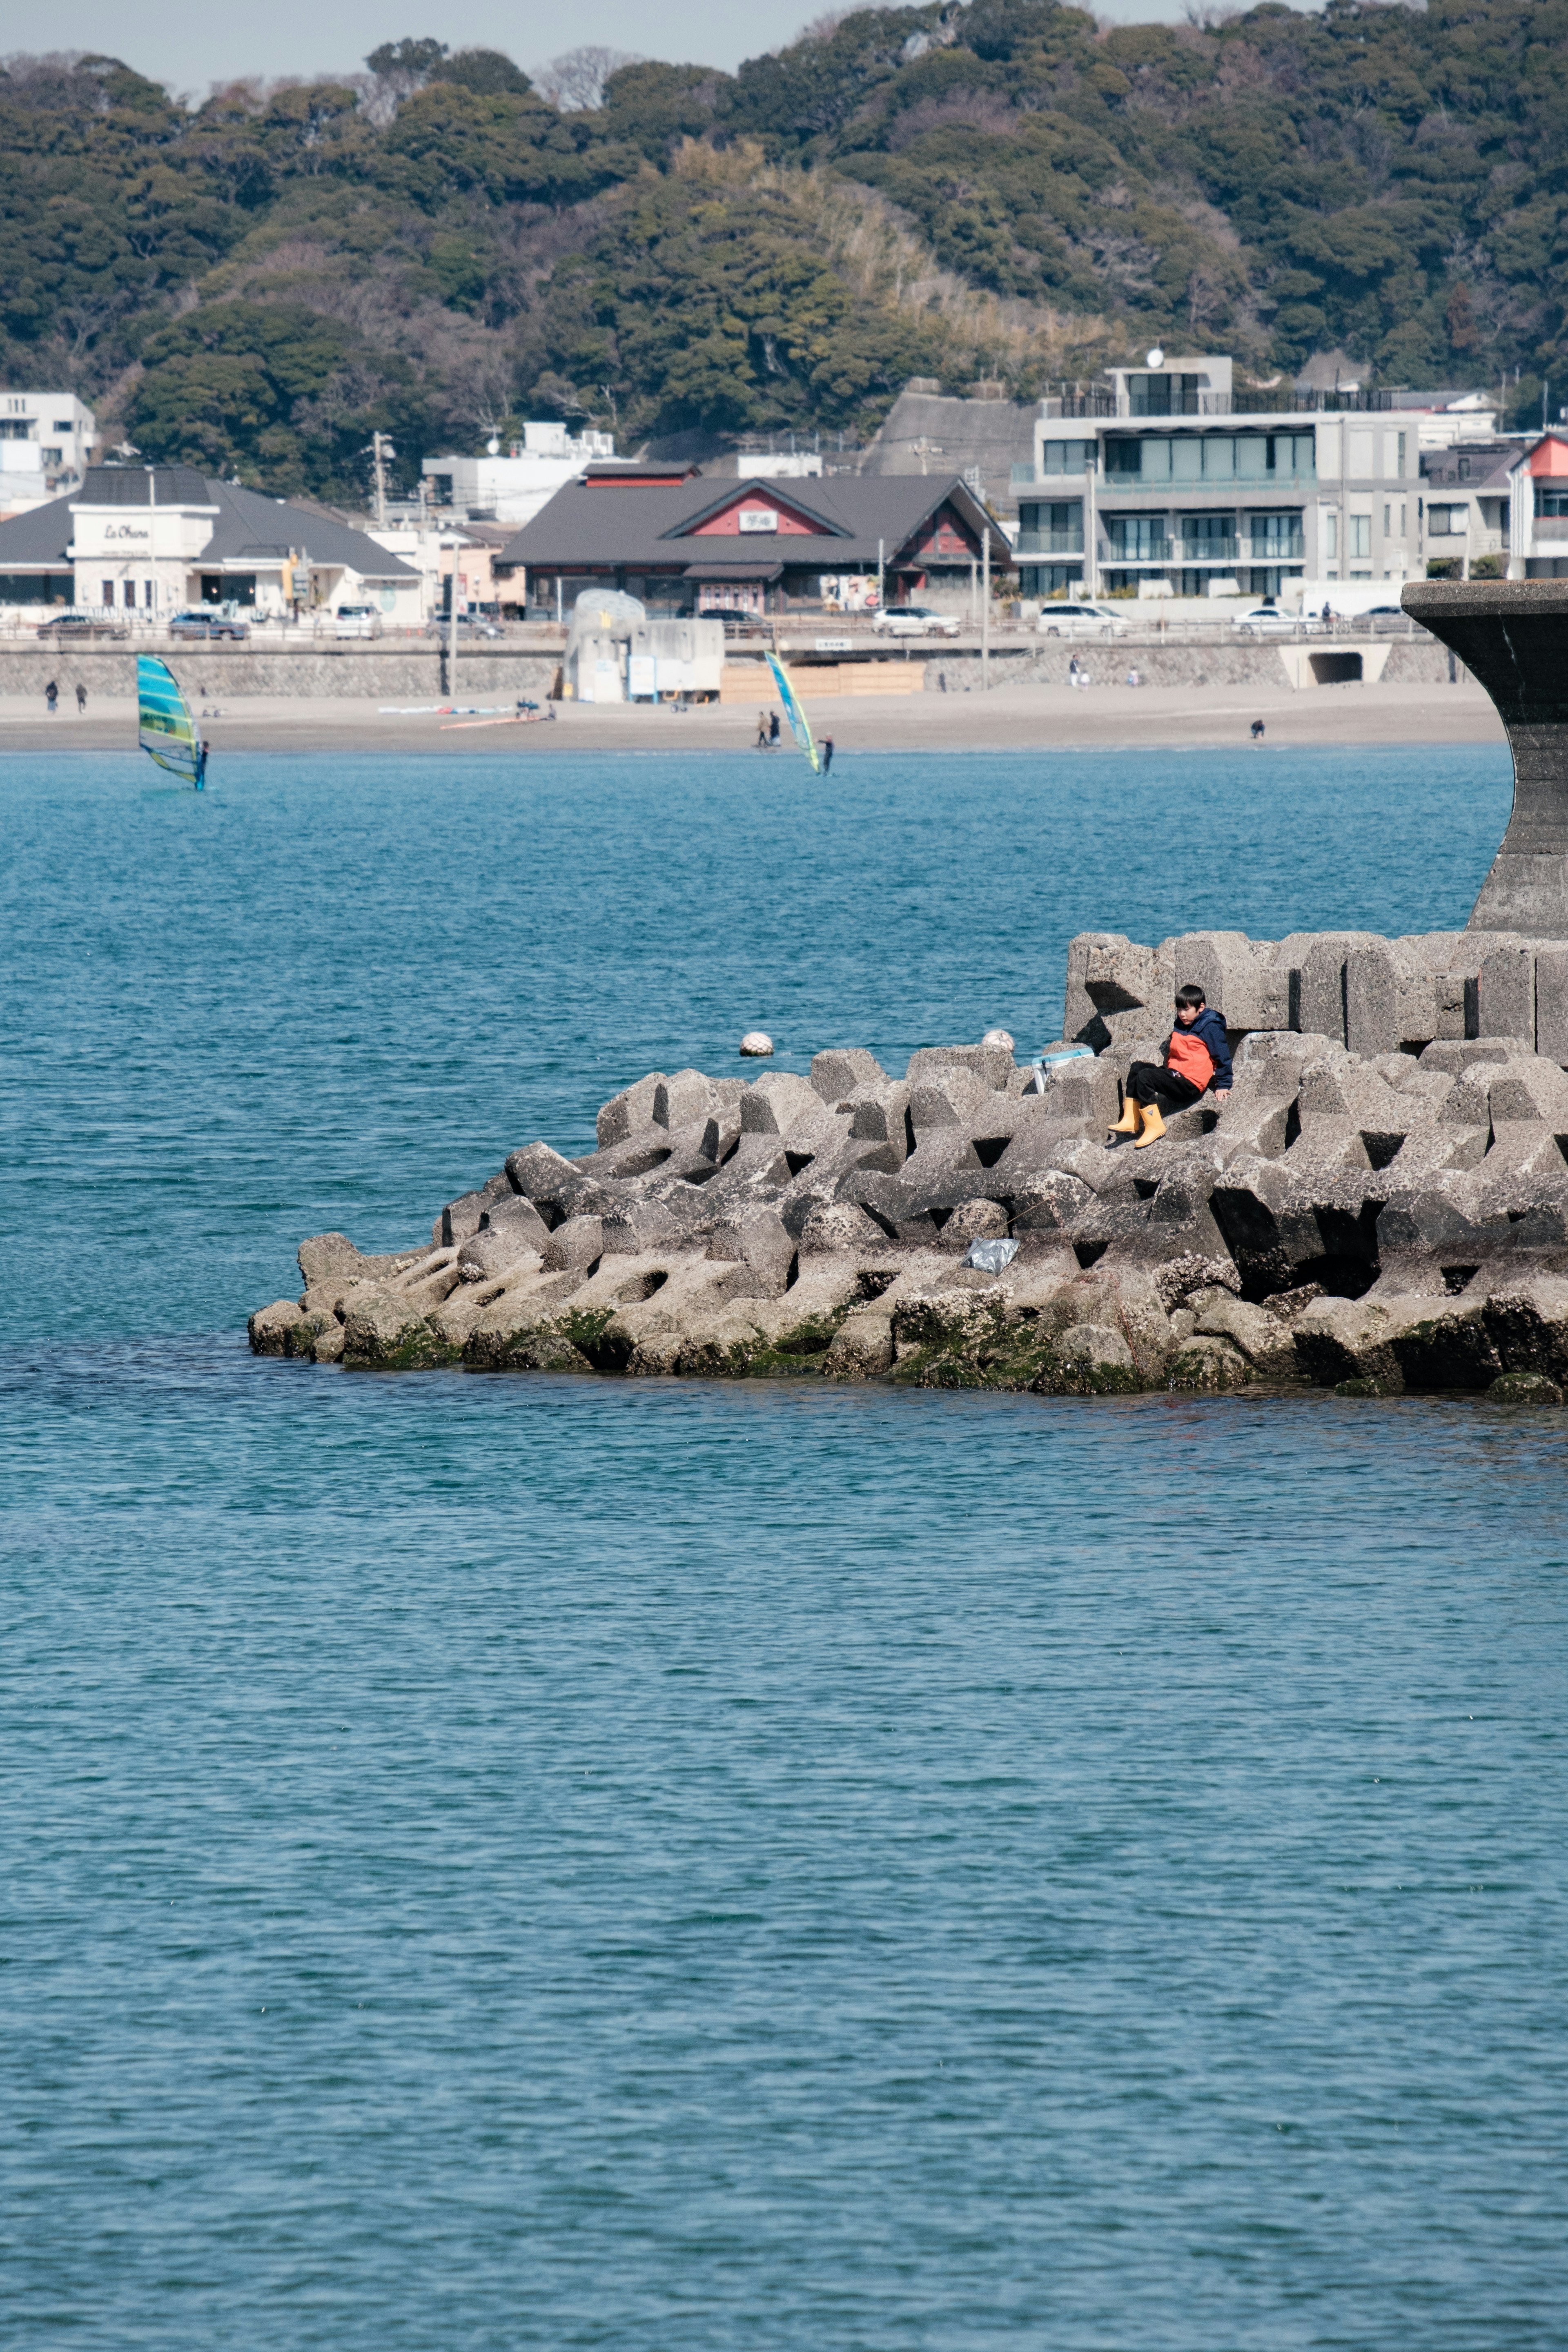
498,673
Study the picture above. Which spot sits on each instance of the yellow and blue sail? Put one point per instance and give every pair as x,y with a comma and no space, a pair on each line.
165,729
799,724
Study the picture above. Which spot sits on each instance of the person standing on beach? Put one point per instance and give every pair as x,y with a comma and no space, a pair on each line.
1072,671
761,730
51,697
1257,730
81,701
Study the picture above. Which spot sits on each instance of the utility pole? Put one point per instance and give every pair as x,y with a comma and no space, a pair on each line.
881,577
452,632
381,449
985,606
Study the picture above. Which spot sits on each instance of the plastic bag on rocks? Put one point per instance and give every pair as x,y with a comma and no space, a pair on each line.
990,1257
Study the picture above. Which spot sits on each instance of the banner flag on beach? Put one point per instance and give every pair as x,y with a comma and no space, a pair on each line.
799,724
165,729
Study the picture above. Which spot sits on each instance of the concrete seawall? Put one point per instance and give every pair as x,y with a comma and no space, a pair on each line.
417,673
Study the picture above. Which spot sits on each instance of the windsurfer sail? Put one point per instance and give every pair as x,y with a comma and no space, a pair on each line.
799,724
165,729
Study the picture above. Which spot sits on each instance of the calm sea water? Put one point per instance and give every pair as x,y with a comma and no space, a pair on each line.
548,1863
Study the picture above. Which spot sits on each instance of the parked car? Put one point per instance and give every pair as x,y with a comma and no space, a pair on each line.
199,625
356,621
441,628
89,623
736,625
914,621
1081,620
1268,621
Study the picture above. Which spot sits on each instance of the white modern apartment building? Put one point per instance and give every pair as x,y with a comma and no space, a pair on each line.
515,487
1155,481
46,439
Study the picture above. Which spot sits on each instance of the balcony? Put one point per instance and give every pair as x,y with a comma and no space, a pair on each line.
1210,550
1137,551
1179,404
1048,543
1279,551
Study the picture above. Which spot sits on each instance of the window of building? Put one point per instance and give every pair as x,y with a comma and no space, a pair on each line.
1053,529
1552,502
1360,535
1332,536
109,592
1278,538
51,457
14,428
1072,456
1138,539
130,586
1464,470
38,588
62,424
1125,458
1444,522
1047,579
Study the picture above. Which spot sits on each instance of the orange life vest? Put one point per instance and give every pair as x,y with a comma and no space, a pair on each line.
1187,1054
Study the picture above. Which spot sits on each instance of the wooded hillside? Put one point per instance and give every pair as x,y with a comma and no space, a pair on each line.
1000,191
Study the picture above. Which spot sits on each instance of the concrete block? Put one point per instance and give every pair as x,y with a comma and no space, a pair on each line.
630,1110
458,1220
847,1070
1530,1090
1237,976
575,1246
1501,999
518,1220
1113,980
682,1100
992,1064
781,1104
1317,985
1552,1004
1372,996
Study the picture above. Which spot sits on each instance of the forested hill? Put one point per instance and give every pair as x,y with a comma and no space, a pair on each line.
1001,191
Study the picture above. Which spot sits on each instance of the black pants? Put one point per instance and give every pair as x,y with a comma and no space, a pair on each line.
1147,1083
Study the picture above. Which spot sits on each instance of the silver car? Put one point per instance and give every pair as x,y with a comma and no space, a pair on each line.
1083,619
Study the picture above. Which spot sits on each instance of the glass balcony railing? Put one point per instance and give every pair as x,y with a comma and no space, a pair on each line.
1137,551
1279,551
1049,542
1210,550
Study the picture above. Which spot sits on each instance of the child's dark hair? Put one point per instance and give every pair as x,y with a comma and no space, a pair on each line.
1190,996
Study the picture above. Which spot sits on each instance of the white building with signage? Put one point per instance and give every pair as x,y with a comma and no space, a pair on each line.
149,541
46,441
1156,482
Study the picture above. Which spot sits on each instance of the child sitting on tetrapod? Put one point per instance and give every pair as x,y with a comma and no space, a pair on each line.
1197,1061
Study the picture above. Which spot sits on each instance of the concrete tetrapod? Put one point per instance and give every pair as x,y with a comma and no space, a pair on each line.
1379,1216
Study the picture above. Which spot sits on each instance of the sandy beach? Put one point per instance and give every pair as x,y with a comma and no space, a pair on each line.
1011,718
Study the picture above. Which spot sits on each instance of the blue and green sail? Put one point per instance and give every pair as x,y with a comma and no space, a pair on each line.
166,731
799,724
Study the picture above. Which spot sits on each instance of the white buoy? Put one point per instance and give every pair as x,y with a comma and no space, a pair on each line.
997,1037
757,1042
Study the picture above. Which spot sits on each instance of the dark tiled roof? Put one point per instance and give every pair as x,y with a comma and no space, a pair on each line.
141,485
254,527
248,527
647,529
41,537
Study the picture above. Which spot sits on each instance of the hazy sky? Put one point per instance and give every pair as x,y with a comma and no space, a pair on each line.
189,44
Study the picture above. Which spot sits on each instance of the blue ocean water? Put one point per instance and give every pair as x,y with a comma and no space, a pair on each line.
529,1862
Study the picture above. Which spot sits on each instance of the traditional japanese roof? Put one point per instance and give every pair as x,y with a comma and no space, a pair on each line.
834,524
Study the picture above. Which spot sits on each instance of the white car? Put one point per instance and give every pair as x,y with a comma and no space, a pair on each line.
914,621
1268,621
356,621
1080,621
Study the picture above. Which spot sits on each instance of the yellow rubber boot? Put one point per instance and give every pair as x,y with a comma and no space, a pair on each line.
1128,1123
1153,1127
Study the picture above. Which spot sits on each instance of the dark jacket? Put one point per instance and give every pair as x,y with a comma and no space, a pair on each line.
1210,1026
